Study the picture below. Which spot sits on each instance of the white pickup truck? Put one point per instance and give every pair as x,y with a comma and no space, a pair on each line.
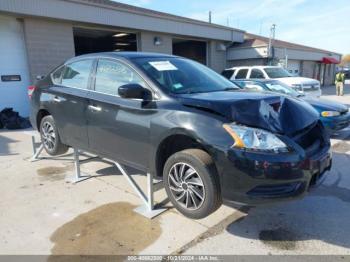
308,86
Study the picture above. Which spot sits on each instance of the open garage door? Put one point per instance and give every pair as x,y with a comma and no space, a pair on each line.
192,49
93,41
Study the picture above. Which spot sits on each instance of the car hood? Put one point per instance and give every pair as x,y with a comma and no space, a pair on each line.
322,104
278,114
298,81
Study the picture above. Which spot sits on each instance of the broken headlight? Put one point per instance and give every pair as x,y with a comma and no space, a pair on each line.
255,139
330,113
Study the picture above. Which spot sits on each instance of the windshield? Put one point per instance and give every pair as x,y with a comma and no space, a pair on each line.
277,72
181,76
279,87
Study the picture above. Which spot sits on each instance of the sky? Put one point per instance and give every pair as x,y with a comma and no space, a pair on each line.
317,23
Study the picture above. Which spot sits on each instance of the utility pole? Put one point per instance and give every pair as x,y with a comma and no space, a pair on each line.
285,58
209,16
270,54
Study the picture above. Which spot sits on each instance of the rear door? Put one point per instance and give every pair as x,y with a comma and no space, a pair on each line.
118,128
69,101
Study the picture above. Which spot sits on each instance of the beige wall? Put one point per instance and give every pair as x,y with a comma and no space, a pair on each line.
245,62
146,43
48,44
312,69
216,58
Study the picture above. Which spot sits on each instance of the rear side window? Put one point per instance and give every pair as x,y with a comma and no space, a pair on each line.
77,74
242,74
110,75
257,74
228,73
56,76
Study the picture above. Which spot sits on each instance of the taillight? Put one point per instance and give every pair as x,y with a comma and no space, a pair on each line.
30,91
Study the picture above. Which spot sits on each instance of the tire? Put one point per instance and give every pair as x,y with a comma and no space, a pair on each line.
195,191
50,137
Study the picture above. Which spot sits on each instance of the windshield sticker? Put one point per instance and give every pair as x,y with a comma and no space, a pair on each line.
163,66
177,86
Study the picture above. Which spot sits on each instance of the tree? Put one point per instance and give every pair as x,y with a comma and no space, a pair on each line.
345,61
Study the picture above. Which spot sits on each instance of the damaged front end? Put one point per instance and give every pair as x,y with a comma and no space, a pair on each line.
279,146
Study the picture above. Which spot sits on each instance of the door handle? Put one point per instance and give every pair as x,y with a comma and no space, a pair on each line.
95,108
57,99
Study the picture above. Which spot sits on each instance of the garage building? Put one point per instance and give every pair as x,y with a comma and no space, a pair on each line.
297,59
38,35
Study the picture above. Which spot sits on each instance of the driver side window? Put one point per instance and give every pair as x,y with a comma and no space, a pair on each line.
110,75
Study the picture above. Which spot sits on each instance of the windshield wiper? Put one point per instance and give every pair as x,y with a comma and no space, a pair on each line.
231,88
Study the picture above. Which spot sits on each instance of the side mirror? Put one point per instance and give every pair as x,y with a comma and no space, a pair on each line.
133,91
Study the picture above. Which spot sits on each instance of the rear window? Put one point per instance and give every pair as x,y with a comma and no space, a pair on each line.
228,73
77,74
242,74
56,76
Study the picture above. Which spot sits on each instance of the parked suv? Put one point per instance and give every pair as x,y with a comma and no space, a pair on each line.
182,122
308,86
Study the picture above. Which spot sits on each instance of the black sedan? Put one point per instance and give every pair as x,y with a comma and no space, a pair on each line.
334,116
180,121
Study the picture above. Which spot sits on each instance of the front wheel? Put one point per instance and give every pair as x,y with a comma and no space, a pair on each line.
50,137
192,183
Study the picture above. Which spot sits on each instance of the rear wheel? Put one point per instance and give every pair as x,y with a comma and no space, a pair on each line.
50,137
192,183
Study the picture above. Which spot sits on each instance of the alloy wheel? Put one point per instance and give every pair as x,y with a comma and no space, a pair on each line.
186,186
48,135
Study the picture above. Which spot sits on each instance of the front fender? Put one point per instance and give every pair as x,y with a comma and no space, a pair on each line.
203,128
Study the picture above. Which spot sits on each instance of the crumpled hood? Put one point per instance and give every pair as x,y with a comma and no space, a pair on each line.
326,105
278,114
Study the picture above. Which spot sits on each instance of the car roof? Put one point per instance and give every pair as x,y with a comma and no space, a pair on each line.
260,80
125,55
247,67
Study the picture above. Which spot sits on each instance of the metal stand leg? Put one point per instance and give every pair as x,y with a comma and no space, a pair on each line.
147,209
36,152
78,175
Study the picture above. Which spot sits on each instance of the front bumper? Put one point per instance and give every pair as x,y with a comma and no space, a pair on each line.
336,123
259,178
312,93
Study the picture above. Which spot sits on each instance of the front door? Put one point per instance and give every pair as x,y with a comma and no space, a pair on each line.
69,102
119,128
